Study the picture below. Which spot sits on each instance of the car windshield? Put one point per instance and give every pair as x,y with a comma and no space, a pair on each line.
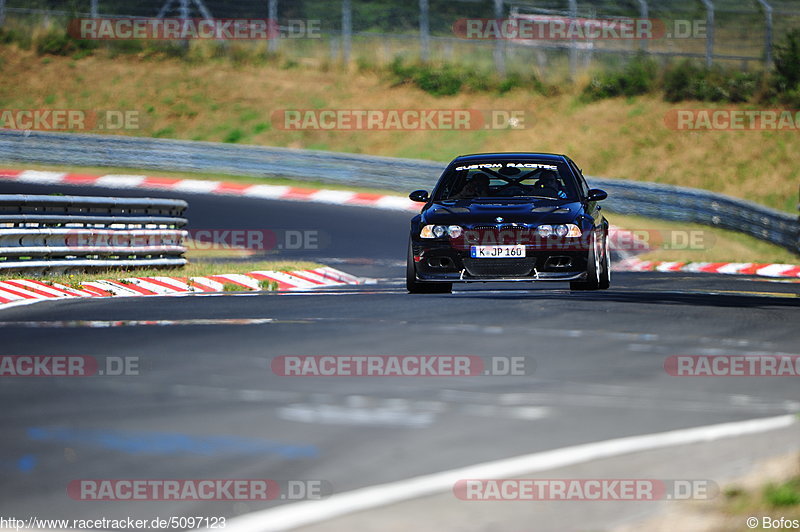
507,179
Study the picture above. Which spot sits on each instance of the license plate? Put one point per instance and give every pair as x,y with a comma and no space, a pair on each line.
497,252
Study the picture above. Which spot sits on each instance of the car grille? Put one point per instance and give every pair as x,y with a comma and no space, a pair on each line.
499,267
500,227
499,234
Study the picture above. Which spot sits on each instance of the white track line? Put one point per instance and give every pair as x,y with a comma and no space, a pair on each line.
308,512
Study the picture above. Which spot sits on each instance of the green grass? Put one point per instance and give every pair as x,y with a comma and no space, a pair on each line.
714,244
775,500
786,494
231,287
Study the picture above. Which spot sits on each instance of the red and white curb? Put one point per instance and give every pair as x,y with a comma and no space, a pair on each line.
734,268
23,291
360,199
203,186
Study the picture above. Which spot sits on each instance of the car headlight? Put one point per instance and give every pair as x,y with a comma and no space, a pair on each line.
560,230
438,231
454,231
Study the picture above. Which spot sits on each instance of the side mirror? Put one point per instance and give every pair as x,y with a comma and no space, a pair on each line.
420,196
596,194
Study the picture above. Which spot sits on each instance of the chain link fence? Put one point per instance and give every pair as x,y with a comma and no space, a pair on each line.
739,33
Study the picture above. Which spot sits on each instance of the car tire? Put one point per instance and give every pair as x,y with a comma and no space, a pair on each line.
594,271
605,275
415,287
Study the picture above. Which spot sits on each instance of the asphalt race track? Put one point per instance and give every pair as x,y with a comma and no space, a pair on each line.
207,405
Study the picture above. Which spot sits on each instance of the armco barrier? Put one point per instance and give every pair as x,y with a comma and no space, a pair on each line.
66,233
625,197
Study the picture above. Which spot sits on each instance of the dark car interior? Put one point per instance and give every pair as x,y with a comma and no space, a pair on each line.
507,182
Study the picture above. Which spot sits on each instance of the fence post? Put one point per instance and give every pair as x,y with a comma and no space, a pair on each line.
347,30
164,9
424,30
573,50
644,13
93,9
499,44
767,32
272,15
709,5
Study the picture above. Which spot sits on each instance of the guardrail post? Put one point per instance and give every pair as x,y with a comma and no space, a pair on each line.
709,5
93,10
424,30
272,15
573,50
499,44
767,32
347,30
644,14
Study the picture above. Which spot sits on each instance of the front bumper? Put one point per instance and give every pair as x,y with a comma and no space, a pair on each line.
440,261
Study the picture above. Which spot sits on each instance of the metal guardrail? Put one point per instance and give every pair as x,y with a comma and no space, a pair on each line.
685,204
80,233
626,197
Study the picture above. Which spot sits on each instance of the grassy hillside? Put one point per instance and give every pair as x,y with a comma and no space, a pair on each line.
221,101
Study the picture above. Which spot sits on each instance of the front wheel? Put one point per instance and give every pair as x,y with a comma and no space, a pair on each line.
598,270
415,287
605,275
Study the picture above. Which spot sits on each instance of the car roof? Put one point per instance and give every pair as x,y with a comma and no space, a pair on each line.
477,157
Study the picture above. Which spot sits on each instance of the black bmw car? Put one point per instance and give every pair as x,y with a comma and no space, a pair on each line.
509,217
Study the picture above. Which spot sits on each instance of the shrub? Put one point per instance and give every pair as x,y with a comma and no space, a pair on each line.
638,77
55,42
786,494
679,81
439,81
234,136
689,81
443,81
787,62
448,79
12,35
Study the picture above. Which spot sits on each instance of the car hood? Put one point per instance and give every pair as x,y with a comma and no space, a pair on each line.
544,211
